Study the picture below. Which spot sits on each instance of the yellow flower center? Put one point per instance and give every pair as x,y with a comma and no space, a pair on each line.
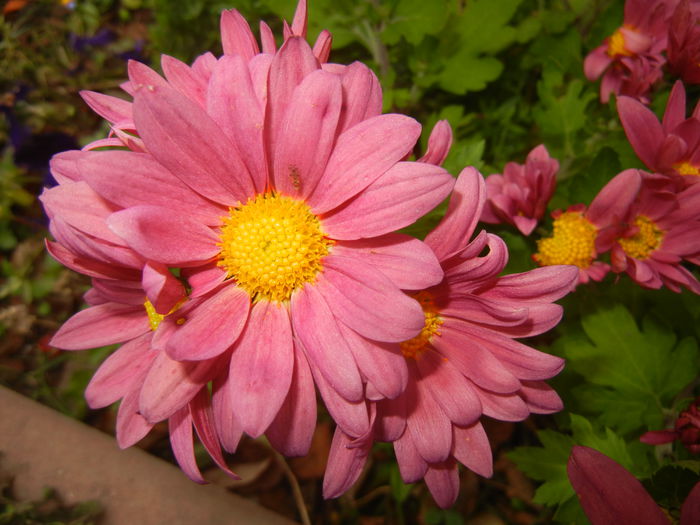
572,242
154,318
616,45
272,245
413,348
645,241
686,168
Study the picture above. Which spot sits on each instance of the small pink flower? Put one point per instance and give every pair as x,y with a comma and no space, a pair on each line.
670,147
465,363
660,232
686,430
610,494
630,60
520,196
684,42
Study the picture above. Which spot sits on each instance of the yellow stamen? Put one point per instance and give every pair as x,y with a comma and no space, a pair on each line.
272,245
572,242
686,168
413,348
645,241
154,318
616,45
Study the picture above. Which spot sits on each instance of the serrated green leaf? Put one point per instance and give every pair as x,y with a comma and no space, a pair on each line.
413,19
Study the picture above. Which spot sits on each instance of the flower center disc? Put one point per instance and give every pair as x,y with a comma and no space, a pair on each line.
272,245
645,241
616,45
572,242
413,348
686,168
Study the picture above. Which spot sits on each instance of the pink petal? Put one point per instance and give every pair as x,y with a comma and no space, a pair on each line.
228,428
675,108
366,301
181,441
344,464
430,429
236,36
234,105
541,398
131,426
468,273
595,63
64,166
109,108
267,38
642,128
442,480
456,228
159,234
504,407
614,200
88,266
186,141
307,134
690,511
300,19
472,449
411,465
123,292
322,46
116,376
361,155
545,284
658,437
101,325
292,430
212,327
449,388
391,422
324,345
261,367
609,493
406,261
162,288
398,198
439,144
362,95
182,78
206,279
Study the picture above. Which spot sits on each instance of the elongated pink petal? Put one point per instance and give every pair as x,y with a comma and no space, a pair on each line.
505,407
203,420
473,360
292,430
472,449
642,129
322,46
300,20
117,291
439,144
267,39
411,465
162,288
88,266
185,140
344,464
307,134
261,367
228,428
181,441
449,388
442,480
362,95
613,201
117,375
466,273
545,284
398,198
170,385
101,325
212,327
158,234
690,511
182,78
609,493
658,437
406,261
324,345
361,155
456,228
236,36
64,166
131,426
109,108
383,365
430,429
206,279
366,301
391,421
675,108
541,398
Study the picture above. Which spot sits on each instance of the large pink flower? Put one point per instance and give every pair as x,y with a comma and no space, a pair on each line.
520,196
465,363
271,183
630,60
670,147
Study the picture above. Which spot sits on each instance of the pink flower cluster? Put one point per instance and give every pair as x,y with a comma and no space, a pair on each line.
649,223
631,60
239,227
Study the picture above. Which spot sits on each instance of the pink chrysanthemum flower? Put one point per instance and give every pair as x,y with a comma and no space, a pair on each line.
671,147
520,196
465,362
630,60
684,42
273,184
660,231
686,429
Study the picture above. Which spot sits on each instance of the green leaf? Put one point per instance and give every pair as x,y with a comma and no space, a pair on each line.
413,19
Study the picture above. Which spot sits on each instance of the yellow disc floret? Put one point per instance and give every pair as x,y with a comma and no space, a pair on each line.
616,45
645,241
154,318
572,242
272,245
413,348
686,168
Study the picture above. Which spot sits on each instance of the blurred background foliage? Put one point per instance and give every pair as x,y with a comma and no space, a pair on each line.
507,75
